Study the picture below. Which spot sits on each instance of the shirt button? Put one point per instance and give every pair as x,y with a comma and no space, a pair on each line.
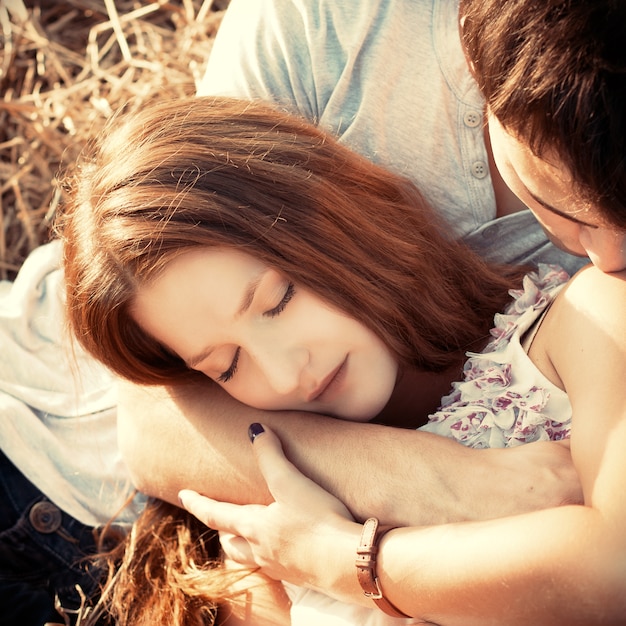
479,169
45,517
472,119
491,232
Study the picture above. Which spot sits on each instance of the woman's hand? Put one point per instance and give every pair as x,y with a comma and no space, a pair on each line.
279,537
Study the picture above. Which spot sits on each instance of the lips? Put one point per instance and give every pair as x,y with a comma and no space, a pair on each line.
324,386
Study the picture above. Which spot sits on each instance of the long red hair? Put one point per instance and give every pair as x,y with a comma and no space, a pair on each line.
224,172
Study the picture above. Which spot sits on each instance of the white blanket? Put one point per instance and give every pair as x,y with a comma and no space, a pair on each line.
57,405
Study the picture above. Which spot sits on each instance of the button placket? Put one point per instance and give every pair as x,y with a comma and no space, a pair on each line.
474,159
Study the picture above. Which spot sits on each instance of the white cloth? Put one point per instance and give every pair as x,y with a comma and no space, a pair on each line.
310,608
57,405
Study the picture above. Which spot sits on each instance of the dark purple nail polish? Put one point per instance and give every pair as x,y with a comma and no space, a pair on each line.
254,431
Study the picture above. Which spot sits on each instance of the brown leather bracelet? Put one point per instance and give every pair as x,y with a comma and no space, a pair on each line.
366,566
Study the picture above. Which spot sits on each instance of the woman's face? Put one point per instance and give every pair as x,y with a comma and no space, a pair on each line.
269,343
548,192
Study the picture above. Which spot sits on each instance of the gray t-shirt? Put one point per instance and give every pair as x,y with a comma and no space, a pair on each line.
389,78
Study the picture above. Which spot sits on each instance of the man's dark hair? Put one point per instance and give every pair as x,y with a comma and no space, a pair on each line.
553,72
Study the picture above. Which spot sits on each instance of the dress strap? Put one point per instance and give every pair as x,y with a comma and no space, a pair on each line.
529,336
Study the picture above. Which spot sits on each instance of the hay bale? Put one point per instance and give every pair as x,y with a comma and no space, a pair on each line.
66,67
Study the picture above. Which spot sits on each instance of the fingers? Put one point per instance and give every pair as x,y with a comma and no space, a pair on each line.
282,477
285,481
295,496
221,516
237,549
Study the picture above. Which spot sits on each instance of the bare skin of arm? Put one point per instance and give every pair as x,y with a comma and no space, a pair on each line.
196,437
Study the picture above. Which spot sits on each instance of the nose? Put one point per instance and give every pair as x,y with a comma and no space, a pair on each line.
283,367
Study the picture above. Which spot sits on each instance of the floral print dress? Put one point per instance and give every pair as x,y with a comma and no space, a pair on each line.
504,400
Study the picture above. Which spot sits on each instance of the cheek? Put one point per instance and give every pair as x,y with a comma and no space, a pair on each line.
246,394
251,388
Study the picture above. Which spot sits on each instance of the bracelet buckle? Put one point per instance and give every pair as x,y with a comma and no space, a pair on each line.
374,595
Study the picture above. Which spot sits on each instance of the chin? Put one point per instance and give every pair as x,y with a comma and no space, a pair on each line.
367,414
360,418
610,268
351,417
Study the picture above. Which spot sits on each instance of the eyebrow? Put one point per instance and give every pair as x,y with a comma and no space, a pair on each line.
244,305
556,211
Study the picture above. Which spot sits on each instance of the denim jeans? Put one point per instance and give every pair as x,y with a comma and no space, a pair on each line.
42,554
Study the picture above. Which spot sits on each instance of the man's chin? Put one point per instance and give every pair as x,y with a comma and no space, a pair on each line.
609,266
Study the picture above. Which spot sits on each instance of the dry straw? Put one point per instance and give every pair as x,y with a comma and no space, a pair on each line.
65,67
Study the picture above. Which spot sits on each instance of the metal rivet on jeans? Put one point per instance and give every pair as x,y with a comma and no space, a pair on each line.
45,517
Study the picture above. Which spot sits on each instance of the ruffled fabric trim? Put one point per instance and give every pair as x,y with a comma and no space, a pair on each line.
503,399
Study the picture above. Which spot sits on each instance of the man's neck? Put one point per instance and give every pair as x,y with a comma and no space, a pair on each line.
506,201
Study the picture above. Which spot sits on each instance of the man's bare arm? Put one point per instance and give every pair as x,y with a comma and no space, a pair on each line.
195,436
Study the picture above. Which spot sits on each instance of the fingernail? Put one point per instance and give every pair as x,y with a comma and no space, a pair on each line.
254,431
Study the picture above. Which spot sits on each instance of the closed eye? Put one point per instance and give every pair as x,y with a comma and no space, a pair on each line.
280,307
224,377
